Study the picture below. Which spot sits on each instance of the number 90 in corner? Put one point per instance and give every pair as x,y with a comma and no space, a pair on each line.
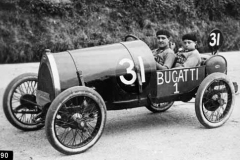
6,155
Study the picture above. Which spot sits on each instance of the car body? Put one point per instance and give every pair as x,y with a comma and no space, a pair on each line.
111,71
102,68
75,88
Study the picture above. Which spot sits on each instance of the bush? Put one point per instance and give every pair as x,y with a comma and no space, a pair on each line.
28,27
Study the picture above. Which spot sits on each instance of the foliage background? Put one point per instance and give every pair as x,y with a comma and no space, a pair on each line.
28,27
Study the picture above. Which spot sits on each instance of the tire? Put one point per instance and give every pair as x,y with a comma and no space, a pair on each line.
75,120
18,102
159,107
214,100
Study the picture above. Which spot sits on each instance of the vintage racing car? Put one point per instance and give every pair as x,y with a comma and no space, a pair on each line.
74,89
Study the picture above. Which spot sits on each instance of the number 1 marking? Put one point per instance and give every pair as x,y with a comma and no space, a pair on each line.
176,87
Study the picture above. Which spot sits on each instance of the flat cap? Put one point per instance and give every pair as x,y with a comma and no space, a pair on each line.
163,32
190,36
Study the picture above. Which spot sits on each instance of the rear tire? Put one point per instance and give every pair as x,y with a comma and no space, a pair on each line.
214,100
75,120
159,107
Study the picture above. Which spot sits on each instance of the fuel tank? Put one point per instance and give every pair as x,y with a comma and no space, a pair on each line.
118,72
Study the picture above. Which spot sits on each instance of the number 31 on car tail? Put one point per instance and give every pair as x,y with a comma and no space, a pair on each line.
215,40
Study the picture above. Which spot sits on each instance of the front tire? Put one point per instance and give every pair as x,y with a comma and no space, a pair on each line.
19,102
214,100
75,120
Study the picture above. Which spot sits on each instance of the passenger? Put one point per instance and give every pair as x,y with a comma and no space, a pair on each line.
190,56
164,55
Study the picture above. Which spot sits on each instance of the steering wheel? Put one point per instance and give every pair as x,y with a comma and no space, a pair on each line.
131,36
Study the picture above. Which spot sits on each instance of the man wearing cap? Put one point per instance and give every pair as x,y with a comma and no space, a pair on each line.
190,56
164,55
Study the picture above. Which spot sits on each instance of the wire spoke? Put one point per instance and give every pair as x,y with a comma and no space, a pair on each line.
217,101
77,121
22,102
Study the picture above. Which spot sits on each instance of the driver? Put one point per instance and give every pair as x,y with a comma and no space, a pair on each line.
163,55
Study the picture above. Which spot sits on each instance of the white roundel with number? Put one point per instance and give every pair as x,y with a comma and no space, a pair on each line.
215,39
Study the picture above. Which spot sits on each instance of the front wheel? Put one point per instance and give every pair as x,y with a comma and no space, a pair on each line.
75,120
214,100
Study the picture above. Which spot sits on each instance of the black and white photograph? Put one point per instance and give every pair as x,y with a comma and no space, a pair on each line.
119,79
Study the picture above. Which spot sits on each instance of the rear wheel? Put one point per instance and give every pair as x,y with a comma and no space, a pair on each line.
214,100
159,107
19,102
75,120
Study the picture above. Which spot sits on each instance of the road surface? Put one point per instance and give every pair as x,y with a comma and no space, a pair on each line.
135,134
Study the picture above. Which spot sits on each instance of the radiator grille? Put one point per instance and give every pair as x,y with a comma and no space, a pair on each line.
45,81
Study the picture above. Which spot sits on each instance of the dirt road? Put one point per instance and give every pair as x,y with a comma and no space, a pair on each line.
135,133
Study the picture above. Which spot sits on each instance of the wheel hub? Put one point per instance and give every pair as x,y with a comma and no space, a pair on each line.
214,102
82,124
221,102
28,101
79,121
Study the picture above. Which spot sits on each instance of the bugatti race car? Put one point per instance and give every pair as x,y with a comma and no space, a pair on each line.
74,89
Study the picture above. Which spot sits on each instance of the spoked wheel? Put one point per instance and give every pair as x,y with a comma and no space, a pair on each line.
19,102
75,120
159,107
214,100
